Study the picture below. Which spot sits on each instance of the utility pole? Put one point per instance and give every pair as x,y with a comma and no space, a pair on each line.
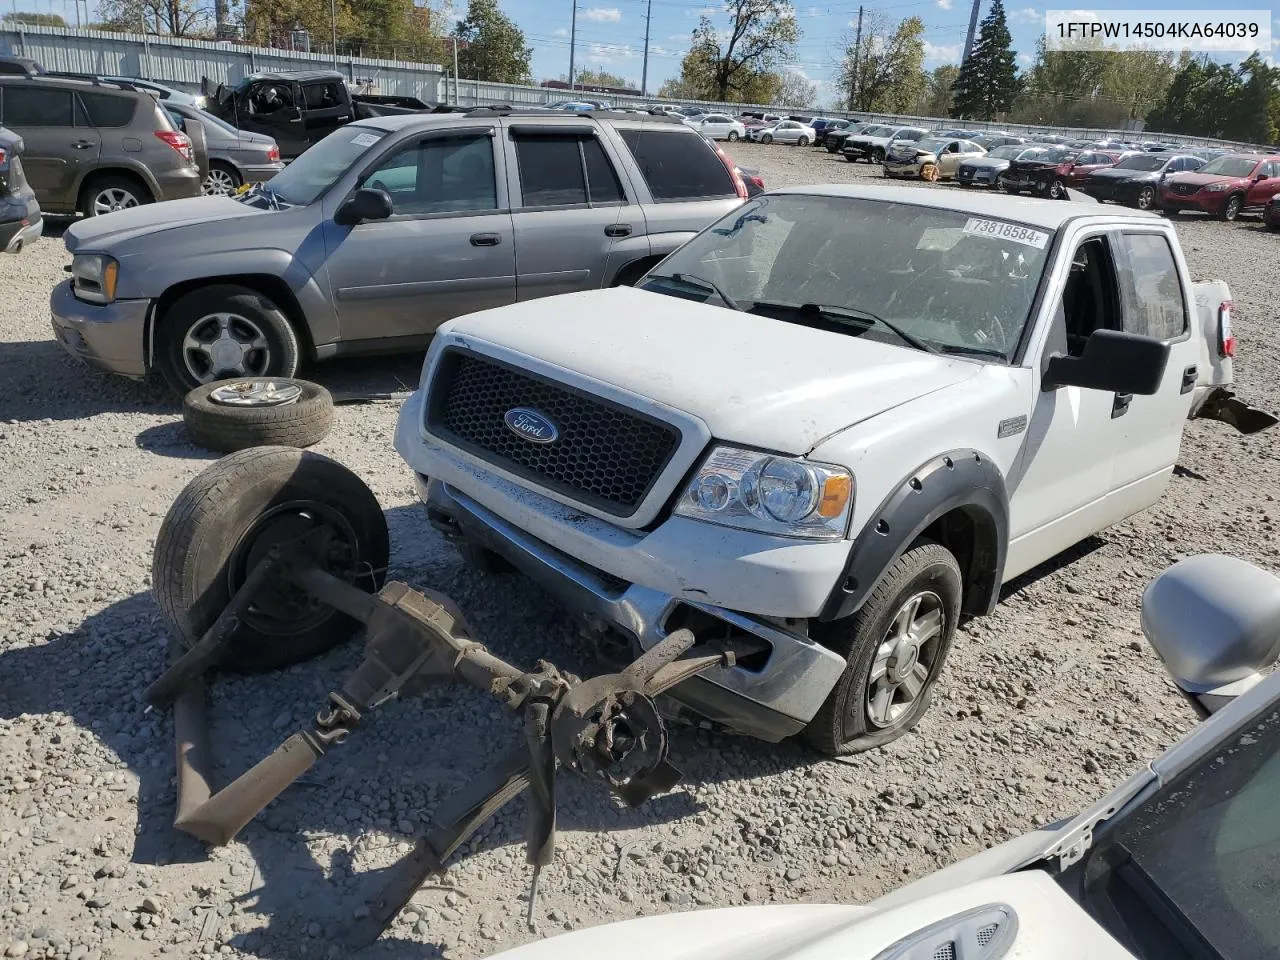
857,61
644,75
973,26
573,40
455,71
333,27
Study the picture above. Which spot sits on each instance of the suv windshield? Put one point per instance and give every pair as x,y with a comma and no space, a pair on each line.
899,273
1199,862
1144,161
1230,166
320,167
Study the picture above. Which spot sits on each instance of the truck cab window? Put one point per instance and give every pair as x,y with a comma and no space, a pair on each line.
1089,299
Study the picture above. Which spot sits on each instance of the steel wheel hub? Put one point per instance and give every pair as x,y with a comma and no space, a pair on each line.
224,345
904,659
256,393
218,183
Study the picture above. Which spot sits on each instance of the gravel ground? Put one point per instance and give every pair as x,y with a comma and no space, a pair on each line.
1044,706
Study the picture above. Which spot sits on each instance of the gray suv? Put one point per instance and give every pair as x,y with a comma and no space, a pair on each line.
94,147
381,232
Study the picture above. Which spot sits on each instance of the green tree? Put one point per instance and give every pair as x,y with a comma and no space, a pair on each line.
988,83
494,46
938,90
1208,99
1094,88
795,90
730,66
597,77
34,19
175,18
884,72
270,22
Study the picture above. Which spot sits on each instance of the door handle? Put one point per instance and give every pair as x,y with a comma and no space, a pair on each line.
82,144
618,230
1188,379
485,239
1120,405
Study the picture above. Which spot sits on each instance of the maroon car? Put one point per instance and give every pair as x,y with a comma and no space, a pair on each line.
1072,171
1224,186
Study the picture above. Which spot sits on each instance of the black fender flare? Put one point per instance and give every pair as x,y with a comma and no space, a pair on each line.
963,480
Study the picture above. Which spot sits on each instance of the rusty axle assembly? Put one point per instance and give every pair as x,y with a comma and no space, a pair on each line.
605,729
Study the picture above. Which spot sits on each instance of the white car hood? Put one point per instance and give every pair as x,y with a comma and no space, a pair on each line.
1050,926
751,379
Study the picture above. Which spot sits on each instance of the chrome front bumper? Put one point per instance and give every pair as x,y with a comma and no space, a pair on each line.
770,700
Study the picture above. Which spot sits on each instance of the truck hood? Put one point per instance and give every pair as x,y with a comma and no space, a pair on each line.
751,379
1049,926
97,233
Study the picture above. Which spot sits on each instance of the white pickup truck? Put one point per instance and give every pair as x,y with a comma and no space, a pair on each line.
837,421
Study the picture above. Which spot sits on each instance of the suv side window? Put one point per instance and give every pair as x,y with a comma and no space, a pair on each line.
678,166
32,106
1153,302
321,96
108,110
561,171
439,175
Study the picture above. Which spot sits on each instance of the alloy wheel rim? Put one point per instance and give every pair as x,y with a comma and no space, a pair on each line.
1146,197
904,660
255,393
218,183
113,199
221,346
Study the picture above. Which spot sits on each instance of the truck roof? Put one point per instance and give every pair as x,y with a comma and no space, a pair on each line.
1049,214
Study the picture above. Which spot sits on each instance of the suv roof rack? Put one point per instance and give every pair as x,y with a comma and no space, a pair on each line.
90,78
505,110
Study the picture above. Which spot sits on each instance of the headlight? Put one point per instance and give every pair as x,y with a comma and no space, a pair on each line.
93,277
759,491
1216,187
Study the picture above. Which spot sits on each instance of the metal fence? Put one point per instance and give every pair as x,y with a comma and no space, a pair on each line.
182,63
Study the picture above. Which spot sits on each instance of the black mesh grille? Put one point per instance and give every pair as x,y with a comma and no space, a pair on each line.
606,455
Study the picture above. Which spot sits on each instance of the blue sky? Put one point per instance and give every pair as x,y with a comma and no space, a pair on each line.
611,32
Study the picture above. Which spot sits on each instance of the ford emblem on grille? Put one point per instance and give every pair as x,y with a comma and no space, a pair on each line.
531,425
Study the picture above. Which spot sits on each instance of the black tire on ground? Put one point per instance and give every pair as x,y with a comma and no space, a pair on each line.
767,138
845,723
98,191
228,516
877,155
732,136
802,142
1146,199
199,312
1234,204
216,426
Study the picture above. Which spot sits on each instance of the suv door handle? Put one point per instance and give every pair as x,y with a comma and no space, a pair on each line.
82,144
486,239
618,230
1189,379
1120,405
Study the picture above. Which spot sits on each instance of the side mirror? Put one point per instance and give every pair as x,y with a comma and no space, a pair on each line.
1214,621
1113,361
365,204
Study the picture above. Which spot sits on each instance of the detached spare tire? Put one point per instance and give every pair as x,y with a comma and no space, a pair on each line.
231,415
224,523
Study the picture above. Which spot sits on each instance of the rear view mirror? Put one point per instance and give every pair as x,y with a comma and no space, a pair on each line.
1214,621
365,204
1114,361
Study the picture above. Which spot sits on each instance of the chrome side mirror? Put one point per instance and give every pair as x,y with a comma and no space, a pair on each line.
1214,621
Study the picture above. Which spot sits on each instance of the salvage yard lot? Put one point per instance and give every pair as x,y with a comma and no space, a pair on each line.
1042,707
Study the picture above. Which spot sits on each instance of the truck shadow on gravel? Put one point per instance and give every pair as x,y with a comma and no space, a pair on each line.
314,855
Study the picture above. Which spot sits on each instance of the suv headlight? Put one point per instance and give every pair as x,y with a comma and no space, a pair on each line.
1217,187
93,277
770,494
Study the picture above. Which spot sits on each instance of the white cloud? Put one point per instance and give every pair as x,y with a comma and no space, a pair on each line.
562,32
943,4
704,12
813,13
608,52
602,14
1027,15
936,55
1026,59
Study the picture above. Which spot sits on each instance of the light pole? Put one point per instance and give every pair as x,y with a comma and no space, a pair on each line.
333,26
573,40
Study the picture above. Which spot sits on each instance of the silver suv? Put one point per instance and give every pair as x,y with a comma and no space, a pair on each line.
381,232
95,146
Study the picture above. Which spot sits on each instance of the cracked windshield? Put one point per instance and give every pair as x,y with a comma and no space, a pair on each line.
921,277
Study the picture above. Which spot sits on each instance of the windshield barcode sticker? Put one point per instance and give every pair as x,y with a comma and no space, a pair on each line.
365,139
1006,231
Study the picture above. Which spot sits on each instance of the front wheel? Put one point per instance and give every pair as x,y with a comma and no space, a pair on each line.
225,522
767,138
895,645
1058,189
1235,203
929,172
877,155
802,142
733,135
221,332
1147,198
